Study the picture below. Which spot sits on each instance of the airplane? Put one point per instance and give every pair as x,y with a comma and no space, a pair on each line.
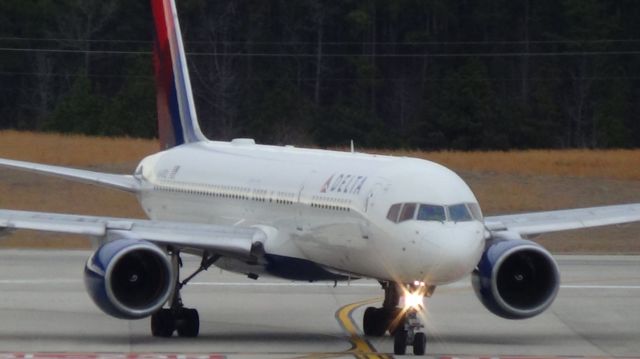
303,215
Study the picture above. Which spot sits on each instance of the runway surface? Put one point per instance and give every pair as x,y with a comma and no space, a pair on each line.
44,309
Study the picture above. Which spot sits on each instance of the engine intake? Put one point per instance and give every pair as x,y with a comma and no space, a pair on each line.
129,278
516,279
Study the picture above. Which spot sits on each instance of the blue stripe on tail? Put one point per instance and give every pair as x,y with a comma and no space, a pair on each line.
177,118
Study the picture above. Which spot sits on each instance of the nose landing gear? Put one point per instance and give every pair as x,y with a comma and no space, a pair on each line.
402,323
408,335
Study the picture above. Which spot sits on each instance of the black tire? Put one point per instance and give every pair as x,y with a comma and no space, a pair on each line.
189,323
419,344
369,321
381,322
400,342
162,323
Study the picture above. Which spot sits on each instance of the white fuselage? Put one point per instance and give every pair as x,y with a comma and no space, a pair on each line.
326,207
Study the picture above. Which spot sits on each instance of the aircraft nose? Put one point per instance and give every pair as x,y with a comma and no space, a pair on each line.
457,252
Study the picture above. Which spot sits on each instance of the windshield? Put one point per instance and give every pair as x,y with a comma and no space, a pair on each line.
476,212
429,212
394,211
408,211
459,213
462,212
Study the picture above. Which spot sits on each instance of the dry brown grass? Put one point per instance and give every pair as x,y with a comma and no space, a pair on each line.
504,182
73,150
85,151
614,164
24,191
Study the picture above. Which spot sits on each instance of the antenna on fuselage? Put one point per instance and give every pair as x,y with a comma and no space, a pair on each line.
353,148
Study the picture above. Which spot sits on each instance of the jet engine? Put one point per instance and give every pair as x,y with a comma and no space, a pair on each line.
516,279
129,278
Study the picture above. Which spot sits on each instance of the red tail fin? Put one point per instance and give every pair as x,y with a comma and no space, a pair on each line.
177,118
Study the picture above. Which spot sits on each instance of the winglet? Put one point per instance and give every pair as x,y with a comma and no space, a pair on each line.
177,118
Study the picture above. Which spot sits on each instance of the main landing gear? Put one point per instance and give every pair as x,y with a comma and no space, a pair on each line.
177,317
402,323
378,321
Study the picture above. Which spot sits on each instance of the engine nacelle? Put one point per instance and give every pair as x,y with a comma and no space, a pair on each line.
516,279
129,278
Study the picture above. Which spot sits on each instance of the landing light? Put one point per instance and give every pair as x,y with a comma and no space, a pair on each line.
413,298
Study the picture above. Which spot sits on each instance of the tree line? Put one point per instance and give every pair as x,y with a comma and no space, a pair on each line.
429,74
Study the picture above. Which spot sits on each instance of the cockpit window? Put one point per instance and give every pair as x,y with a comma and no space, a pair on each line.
408,212
393,212
476,212
459,213
463,212
428,212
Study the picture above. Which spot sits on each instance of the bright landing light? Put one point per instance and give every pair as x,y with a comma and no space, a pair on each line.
413,298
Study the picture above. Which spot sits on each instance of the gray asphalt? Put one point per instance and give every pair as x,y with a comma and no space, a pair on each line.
44,308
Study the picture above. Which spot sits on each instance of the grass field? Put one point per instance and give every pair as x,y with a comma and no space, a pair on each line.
73,150
84,151
614,164
504,182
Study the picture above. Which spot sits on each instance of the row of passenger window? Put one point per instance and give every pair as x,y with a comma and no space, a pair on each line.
231,192
463,212
331,203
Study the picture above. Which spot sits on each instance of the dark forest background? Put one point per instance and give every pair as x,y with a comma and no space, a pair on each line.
431,74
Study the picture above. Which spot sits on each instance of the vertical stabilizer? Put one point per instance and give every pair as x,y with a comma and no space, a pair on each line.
177,118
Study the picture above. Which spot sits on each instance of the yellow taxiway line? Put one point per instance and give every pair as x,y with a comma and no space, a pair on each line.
361,347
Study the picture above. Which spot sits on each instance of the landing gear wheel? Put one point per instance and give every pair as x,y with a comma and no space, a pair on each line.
185,320
419,344
188,325
162,323
374,322
400,342
368,321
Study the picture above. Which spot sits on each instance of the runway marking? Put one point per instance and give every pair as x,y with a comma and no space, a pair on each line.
221,356
361,347
205,284
525,357
600,286
38,281
108,356
304,284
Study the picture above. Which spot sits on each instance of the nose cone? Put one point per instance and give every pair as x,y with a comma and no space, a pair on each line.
455,252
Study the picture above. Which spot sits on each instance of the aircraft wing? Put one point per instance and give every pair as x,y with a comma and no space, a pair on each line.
121,182
237,242
528,224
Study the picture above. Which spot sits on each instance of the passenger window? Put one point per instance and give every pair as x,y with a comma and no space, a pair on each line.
475,211
408,212
428,212
459,213
393,212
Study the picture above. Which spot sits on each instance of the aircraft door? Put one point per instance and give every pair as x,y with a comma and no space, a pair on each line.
380,186
304,198
252,208
371,204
